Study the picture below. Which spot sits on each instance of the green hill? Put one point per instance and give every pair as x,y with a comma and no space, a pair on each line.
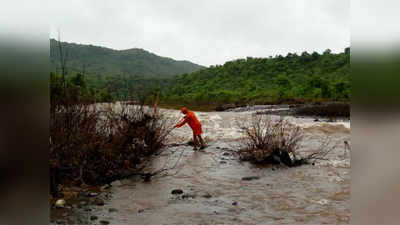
105,61
305,77
128,74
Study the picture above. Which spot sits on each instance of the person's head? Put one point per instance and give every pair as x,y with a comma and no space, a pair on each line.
184,110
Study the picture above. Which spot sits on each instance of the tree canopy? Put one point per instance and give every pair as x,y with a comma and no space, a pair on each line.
305,77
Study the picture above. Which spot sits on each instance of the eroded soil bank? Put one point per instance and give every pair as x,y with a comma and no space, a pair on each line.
213,187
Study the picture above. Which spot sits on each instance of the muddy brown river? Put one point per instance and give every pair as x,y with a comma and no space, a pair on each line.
212,185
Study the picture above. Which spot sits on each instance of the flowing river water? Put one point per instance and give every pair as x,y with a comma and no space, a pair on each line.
212,185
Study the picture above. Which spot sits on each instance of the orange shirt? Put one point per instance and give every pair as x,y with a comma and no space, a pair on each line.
193,122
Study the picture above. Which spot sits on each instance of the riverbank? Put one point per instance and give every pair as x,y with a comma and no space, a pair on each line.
324,110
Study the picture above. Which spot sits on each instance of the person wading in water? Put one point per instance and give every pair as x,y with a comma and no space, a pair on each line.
195,124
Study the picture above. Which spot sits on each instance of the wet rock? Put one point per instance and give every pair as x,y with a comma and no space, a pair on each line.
177,191
140,210
187,196
218,147
316,120
286,159
88,209
104,222
99,202
250,178
112,210
226,154
93,217
222,162
234,203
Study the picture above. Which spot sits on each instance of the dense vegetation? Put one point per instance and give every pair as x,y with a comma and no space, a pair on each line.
96,144
295,78
106,75
96,60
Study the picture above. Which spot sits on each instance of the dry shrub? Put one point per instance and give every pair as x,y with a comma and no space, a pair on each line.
321,152
96,145
275,141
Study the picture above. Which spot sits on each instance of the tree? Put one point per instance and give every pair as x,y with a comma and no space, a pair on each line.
327,52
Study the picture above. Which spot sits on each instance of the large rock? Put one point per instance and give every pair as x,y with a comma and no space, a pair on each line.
287,158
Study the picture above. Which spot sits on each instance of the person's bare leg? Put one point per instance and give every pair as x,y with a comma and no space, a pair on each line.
195,142
201,141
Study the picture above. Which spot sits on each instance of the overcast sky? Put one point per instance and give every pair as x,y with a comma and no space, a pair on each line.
207,32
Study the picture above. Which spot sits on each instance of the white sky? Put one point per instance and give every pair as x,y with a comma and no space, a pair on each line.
206,32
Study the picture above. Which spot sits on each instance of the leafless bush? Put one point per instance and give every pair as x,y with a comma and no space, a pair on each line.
321,152
274,141
95,145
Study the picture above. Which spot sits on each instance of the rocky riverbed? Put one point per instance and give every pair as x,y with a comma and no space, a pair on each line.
213,187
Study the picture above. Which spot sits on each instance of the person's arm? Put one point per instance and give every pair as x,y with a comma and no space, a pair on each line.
183,122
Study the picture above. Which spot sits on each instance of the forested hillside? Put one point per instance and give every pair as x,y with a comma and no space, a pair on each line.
105,61
108,75
306,77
